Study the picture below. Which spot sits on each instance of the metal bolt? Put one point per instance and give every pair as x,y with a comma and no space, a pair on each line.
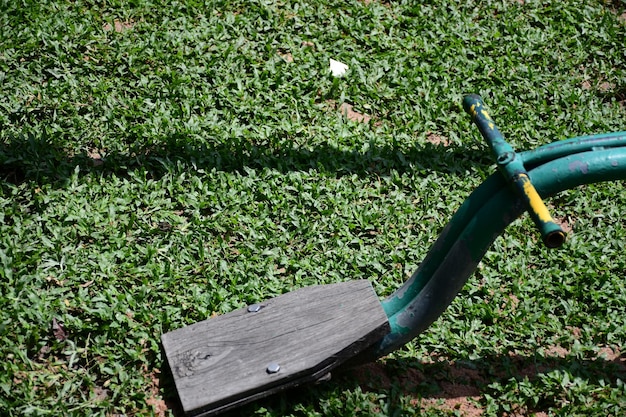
272,368
254,308
505,158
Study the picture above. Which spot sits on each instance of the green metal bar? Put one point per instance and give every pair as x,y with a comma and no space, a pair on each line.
571,146
485,215
484,226
475,202
440,249
503,152
512,167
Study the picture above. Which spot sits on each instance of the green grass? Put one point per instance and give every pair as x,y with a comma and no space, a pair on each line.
162,162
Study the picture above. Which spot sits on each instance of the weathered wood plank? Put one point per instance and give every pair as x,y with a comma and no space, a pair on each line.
223,362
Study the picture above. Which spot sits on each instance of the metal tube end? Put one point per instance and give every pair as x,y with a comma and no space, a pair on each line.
554,239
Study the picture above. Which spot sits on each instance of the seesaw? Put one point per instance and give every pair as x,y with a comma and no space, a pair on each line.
301,336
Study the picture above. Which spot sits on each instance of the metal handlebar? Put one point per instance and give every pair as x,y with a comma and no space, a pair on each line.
512,167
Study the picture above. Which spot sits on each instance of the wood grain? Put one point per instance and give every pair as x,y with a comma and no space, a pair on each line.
222,362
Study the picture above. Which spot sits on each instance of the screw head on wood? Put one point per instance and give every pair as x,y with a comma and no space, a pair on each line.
272,368
254,308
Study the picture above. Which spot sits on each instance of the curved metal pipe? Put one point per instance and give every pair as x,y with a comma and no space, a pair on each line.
481,219
555,150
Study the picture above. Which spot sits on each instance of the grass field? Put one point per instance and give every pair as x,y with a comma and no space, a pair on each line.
165,161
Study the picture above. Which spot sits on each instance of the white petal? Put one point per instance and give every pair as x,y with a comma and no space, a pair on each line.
337,68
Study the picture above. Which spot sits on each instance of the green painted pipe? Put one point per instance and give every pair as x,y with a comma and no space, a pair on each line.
486,213
483,217
475,202
512,167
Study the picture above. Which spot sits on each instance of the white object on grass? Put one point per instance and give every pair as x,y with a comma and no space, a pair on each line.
337,68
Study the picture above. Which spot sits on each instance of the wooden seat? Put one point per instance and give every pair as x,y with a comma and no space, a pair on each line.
298,337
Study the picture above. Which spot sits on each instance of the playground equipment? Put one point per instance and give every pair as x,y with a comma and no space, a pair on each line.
299,337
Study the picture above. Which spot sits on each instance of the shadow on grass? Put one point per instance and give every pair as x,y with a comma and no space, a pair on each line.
37,159
440,383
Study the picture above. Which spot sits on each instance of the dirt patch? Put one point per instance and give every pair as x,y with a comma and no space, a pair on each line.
605,86
347,110
602,86
457,387
285,56
100,393
466,406
576,331
374,374
368,2
437,383
613,355
437,140
119,26
95,156
556,351
566,223
513,300
154,398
